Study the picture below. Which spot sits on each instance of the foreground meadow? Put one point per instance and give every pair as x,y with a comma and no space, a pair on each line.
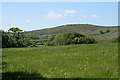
71,61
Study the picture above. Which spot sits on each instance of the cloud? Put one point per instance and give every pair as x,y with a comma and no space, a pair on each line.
90,16
95,16
53,15
69,11
27,21
59,13
65,14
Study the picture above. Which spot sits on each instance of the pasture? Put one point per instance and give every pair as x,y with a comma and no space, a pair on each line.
70,61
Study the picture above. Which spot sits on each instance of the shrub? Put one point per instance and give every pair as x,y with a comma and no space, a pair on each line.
101,32
70,38
107,31
49,43
60,40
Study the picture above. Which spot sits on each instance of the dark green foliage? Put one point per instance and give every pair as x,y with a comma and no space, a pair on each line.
101,32
49,43
20,75
6,41
52,38
107,31
14,30
14,38
70,38
33,44
60,40
84,40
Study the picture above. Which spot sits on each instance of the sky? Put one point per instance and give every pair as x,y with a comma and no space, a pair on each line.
39,15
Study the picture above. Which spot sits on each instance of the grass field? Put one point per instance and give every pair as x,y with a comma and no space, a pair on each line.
71,61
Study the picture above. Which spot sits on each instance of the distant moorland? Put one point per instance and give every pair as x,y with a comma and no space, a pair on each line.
100,33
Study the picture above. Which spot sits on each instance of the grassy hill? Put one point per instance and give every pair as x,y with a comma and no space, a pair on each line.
87,29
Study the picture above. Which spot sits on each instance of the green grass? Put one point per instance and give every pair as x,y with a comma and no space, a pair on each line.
71,61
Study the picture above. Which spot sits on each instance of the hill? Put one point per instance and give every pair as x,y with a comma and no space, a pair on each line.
89,30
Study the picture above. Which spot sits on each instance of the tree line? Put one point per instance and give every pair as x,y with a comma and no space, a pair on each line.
14,37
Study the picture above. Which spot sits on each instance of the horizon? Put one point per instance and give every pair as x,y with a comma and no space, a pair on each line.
73,24
64,25
30,16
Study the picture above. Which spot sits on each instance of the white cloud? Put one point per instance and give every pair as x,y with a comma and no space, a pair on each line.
69,11
65,14
27,21
95,16
59,13
53,15
90,16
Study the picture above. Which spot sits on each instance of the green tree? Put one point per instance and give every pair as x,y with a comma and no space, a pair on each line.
60,40
14,38
101,32
107,31
5,39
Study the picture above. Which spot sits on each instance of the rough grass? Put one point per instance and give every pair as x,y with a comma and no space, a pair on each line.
71,61
86,29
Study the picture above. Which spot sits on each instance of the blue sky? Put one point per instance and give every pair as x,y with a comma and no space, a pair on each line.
39,15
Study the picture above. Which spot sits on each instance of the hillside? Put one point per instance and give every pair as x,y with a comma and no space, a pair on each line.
87,29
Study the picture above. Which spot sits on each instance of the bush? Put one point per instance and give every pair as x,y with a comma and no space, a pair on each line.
49,43
60,40
70,38
107,31
101,32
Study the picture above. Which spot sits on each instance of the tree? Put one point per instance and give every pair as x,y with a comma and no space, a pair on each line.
60,40
15,32
5,39
14,38
101,32
107,31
